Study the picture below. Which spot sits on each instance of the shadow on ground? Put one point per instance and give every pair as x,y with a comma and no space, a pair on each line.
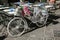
51,19
2,37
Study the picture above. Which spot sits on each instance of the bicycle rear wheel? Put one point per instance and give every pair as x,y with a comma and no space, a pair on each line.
16,27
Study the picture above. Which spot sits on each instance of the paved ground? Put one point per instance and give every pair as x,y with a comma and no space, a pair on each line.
49,32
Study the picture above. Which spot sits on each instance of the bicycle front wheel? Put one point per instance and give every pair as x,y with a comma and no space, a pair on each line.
42,19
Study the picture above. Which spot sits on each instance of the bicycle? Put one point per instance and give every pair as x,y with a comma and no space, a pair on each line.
19,25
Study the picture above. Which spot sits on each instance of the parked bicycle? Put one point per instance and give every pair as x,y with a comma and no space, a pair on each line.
35,13
15,19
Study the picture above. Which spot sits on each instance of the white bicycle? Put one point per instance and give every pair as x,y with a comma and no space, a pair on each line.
18,25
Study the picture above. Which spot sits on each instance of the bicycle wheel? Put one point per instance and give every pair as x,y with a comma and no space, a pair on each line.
16,27
42,20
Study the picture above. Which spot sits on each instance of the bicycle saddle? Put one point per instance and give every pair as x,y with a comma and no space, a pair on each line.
10,11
